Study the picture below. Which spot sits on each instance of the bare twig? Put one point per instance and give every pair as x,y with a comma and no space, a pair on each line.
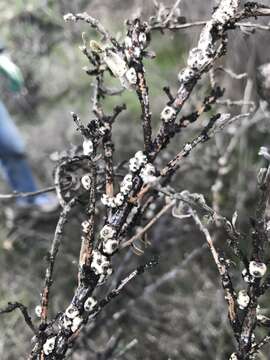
95,24
230,294
148,225
13,306
27,194
52,257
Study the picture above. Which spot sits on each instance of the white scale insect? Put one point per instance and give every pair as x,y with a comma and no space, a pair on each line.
49,345
89,304
118,66
86,181
101,266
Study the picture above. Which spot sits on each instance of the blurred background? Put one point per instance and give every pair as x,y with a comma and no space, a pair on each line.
177,311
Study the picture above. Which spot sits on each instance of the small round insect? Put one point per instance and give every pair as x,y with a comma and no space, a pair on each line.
131,76
148,174
142,39
141,158
126,184
137,52
133,165
257,269
88,147
187,148
197,59
119,199
86,181
77,321
89,304
243,299
100,264
128,42
38,310
105,199
71,312
49,345
112,202
107,232
110,246
85,226
247,277
186,75
167,114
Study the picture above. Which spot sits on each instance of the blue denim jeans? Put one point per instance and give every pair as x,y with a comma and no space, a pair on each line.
12,157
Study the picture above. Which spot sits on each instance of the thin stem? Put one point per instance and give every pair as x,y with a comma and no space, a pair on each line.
58,236
13,306
148,226
27,194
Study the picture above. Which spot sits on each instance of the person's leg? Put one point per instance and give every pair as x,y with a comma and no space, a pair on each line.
14,163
